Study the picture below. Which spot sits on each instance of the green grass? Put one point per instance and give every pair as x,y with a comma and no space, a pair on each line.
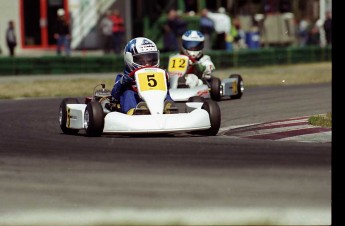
12,87
321,120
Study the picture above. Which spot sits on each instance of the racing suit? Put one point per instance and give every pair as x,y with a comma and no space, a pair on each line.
125,91
200,68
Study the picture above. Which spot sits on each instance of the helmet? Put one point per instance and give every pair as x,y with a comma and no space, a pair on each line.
140,52
193,43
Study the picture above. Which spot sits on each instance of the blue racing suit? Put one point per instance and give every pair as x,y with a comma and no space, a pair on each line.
124,90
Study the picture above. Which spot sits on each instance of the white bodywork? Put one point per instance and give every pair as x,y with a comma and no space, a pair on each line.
151,83
182,94
116,122
195,120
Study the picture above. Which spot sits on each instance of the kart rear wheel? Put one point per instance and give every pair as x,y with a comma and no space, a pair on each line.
215,88
240,86
213,110
94,119
63,115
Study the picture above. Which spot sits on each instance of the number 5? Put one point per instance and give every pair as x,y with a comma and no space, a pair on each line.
151,81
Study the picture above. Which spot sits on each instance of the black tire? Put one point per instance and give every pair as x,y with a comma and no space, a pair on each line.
63,115
240,86
196,99
94,119
215,89
213,110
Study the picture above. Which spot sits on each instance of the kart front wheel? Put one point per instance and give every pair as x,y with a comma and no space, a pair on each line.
213,110
239,87
215,86
64,116
94,119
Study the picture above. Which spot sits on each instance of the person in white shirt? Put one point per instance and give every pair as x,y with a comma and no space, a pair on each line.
106,26
222,26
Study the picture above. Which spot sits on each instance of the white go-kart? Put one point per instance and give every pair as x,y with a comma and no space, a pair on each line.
215,89
100,114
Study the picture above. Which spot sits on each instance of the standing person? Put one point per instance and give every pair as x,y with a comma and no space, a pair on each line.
170,43
313,36
11,38
138,53
207,28
62,33
174,28
118,30
239,39
107,33
169,39
222,26
0,47
327,26
303,31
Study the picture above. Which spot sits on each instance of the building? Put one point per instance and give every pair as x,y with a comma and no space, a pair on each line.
34,19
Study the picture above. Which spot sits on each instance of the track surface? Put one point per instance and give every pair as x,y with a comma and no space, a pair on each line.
50,177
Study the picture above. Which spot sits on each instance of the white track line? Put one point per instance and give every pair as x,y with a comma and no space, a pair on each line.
181,216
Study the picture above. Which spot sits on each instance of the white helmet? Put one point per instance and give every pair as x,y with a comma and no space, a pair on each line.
193,43
140,52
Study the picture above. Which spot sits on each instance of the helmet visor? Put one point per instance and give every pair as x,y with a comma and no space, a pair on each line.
146,59
193,45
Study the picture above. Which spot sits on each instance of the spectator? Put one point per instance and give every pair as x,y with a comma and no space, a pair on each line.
303,31
240,37
207,28
313,36
174,29
170,43
11,38
118,31
222,26
253,36
62,33
107,33
0,50
191,5
327,26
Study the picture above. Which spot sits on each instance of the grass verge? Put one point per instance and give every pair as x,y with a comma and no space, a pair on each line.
321,120
12,87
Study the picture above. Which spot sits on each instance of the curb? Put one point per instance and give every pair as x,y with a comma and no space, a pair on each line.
292,129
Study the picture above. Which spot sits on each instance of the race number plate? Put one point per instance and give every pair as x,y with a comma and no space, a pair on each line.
234,87
178,64
151,80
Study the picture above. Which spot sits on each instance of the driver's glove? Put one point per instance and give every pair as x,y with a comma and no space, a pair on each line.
126,79
207,73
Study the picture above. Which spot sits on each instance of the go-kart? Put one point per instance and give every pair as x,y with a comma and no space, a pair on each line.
100,114
214,88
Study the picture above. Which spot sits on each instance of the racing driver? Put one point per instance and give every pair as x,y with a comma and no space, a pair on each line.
201,65
138,53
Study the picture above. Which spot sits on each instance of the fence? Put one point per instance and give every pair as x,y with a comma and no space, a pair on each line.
222,59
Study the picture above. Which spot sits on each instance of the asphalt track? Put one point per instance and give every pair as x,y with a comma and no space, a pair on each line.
48,178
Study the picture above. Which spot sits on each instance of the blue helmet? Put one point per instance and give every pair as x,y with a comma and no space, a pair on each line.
140,52
193,43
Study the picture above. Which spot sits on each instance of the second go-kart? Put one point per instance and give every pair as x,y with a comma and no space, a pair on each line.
101,115
215,88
